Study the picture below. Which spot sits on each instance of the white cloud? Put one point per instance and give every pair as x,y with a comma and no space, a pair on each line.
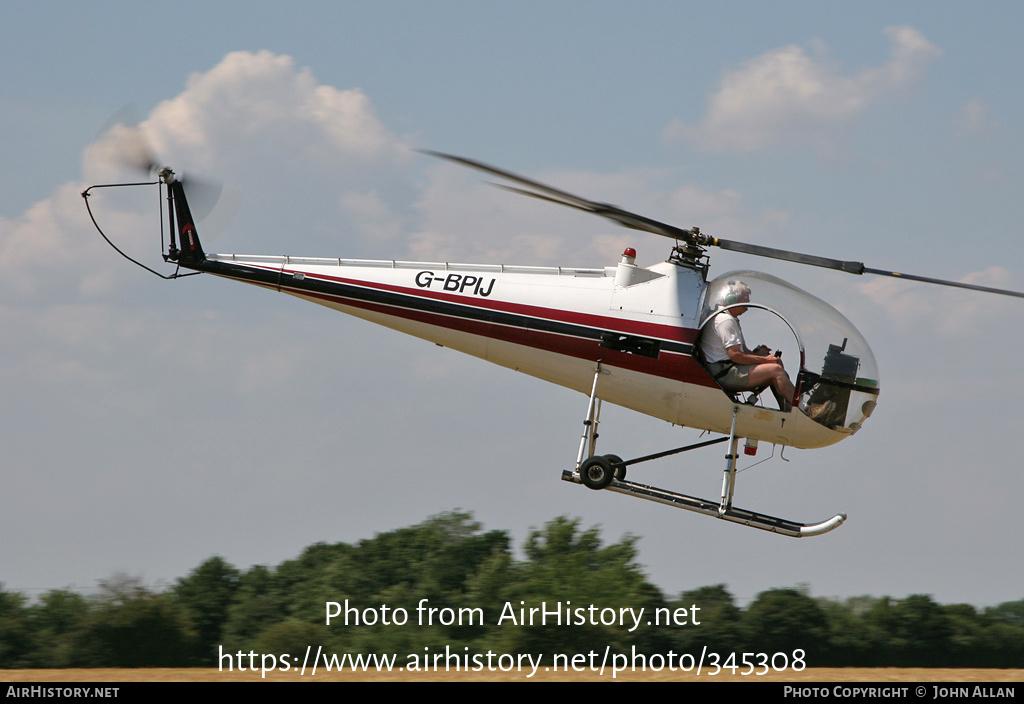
310,151
51,250
298,148
785,95
252,102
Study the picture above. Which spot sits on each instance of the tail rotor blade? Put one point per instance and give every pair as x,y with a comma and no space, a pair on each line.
123,144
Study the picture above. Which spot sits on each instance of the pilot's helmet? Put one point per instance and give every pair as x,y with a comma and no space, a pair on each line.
733,292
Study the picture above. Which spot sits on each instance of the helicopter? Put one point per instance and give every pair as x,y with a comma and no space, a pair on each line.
623,334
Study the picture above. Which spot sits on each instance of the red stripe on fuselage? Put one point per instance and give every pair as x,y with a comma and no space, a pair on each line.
659,331
669,365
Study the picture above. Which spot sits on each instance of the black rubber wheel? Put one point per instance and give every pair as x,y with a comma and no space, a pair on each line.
596,472
618,471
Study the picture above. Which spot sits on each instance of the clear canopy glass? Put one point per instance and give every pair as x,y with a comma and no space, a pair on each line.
837,383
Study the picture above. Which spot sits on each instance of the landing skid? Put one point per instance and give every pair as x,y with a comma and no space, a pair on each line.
711,508
609,472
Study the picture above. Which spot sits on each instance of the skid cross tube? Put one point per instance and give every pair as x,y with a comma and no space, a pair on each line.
666,453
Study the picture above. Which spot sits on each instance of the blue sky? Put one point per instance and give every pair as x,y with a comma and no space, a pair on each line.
887,133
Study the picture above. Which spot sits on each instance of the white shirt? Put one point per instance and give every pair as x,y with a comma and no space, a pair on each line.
719,335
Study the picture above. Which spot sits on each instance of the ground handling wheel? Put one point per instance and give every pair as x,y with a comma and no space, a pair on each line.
619,469
596,472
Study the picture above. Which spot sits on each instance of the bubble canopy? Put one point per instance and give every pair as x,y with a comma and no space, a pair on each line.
838,380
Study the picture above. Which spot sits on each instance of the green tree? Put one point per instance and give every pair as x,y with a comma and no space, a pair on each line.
786,620
570,569
57,620
288,638
435,560
851,640
130,626
719,619
1011,613
257,604
205,596
16,643
916,631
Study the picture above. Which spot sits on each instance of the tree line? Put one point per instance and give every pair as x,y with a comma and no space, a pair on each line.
482,597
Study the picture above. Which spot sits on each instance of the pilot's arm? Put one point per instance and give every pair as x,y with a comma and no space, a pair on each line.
739,355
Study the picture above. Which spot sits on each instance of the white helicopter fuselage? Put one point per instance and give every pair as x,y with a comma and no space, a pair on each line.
624,334
639,325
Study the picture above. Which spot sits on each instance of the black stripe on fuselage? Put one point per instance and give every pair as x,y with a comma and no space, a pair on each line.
312,285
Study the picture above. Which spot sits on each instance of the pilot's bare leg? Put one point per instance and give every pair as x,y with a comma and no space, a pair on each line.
774,374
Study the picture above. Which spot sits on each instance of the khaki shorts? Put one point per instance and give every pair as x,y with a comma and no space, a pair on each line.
735,378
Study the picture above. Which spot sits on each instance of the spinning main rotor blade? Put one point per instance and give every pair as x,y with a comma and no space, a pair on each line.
849,267
694,235
605,210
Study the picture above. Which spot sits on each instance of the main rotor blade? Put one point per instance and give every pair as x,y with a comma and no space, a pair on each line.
605,210
694,235
943,282
849,267
785,255
510,176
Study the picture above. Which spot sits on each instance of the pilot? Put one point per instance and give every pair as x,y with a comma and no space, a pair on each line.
730,361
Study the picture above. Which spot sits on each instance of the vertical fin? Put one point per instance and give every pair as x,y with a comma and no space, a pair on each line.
191,250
